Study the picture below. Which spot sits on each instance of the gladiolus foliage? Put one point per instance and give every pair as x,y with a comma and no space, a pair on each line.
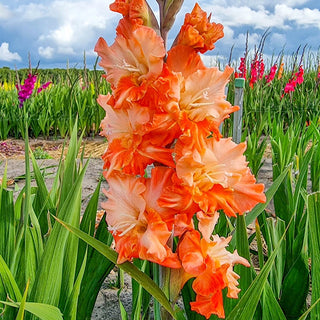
164,113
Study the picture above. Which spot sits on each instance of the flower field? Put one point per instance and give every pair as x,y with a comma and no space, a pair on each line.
181,195
266,98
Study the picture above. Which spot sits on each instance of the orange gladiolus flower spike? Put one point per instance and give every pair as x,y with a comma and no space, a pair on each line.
198,32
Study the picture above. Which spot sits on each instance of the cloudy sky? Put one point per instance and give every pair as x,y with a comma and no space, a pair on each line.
56,32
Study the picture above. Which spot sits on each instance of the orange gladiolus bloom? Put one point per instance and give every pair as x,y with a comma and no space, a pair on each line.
202,95
136,137
138,229
212,266
219,176
137,53
137,9
280,72
198,32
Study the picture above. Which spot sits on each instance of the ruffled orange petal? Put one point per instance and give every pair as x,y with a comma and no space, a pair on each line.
209,305
125,203
185,60
190,253
219,176
210,281
159,181
139,232
136,9
153,242
198,32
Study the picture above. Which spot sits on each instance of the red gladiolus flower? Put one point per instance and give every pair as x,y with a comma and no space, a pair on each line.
299,75
242,68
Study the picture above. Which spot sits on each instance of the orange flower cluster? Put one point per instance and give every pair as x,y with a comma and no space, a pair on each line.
162,118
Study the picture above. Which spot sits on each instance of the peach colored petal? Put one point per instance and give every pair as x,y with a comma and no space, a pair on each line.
210,281
164,93
179,198
190,253
232,278
203,95
216,250
125,206
212,265
154,240
116,124
207,222
159,181
137,137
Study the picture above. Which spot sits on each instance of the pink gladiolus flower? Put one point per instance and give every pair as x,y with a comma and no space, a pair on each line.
44,86
272,73
290,86
25,90
299,75
296,79
261,69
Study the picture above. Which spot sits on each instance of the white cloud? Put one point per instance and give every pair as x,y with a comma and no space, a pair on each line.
4,12
63,35
65,24
278,39
46,52
6,55
66,50
31,11
303,17
213,60
262,14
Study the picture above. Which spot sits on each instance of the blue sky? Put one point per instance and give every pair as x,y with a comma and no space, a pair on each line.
57,32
